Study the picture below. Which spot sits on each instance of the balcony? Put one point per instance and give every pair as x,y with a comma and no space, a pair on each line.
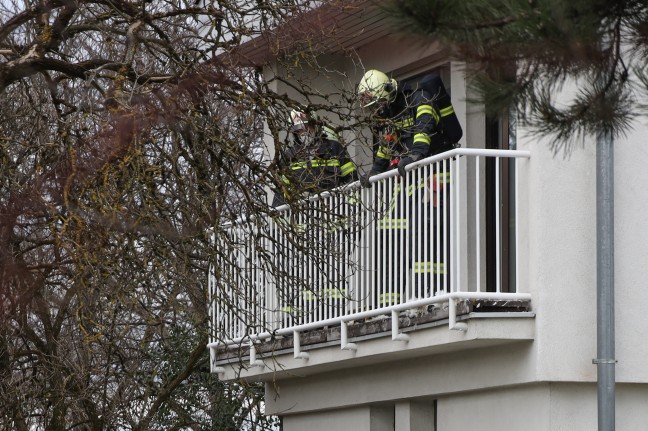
328,282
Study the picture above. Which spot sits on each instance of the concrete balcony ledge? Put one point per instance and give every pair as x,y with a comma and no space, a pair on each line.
423,333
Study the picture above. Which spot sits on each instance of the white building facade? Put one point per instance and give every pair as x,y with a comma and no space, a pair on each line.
524,245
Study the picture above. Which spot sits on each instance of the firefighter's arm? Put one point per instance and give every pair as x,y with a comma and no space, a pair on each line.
348,169
450,126
425,124
289,153
382,150
384,153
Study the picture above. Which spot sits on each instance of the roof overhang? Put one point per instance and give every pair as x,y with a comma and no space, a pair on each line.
333,27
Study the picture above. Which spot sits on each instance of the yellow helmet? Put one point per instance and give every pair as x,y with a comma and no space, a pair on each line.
374,86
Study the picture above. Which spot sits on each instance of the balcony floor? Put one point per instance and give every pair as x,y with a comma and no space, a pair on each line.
489,323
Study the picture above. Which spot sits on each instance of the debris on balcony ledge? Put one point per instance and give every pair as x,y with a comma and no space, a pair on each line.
379,326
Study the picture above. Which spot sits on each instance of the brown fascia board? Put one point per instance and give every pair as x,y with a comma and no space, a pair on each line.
333,27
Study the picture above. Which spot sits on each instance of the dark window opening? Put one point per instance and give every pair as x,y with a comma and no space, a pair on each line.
500,134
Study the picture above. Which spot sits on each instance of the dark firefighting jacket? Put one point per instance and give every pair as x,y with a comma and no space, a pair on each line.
415,124
322,164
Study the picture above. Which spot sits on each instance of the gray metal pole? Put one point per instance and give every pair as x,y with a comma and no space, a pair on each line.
605,281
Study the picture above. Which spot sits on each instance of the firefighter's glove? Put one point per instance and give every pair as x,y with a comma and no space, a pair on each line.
406,161
364,179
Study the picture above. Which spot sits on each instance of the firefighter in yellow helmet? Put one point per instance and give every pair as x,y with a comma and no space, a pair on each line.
313,160
412,123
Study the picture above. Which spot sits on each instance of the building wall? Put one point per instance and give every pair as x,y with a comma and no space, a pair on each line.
520,408
427,376
540,406
401,416
631,254
559,236
350,418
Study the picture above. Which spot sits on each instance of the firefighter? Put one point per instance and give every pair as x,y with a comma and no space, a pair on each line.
313,160
410,124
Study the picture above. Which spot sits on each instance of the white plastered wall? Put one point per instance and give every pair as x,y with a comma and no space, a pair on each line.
631,253
540,407
405,379
559,246
341,419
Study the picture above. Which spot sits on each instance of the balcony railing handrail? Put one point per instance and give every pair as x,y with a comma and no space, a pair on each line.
456,152
423,162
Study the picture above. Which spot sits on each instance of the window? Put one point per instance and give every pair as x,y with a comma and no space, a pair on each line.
500,134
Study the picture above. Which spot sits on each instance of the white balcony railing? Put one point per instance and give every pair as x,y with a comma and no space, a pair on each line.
356,253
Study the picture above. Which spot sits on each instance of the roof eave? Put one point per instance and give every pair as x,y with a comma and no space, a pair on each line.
333,27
